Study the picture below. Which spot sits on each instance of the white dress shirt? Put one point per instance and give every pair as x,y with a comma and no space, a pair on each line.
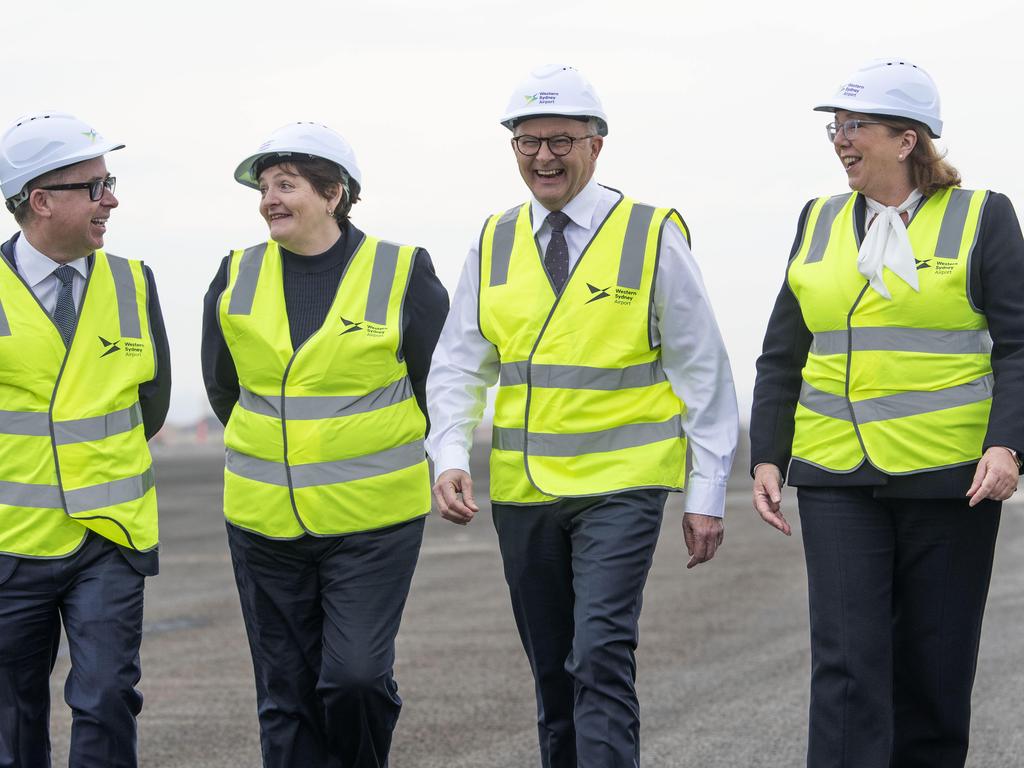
36,269
465,364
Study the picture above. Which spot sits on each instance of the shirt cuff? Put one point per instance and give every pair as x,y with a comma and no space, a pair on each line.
705,497
451,457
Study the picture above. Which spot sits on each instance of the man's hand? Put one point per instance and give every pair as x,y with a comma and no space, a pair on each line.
996,477
703,535
453,492
768,496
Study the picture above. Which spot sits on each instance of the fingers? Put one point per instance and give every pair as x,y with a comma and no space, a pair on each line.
453,493
703,536
768,498
994,479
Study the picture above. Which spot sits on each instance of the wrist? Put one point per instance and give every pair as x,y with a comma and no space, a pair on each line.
1016,457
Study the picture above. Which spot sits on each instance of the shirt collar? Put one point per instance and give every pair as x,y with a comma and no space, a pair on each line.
34,266
580,209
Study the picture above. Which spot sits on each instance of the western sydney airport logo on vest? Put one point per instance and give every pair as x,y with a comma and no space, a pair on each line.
129,347
351,326
622,295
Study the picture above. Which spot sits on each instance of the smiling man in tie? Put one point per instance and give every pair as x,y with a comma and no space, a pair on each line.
84,383
589,312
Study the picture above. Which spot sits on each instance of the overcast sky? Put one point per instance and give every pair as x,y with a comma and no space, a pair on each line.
709,109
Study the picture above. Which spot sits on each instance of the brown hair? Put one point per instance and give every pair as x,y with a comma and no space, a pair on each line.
323,175
929,170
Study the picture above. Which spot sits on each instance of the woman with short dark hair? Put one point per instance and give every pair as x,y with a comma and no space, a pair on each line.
316,347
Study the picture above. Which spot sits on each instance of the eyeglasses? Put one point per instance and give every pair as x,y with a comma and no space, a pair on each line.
560,146
849,128
95,187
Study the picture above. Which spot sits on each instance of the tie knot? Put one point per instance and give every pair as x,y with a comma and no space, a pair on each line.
557,220
65,273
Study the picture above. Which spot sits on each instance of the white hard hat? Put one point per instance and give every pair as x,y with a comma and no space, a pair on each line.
302,139
555,91
37,144
890,87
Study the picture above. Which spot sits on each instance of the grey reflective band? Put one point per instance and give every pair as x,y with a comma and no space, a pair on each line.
634,246
244,291
896,406
582,376
127,302
602,441
951,232
97,427
326,472
327,407
501,246
5,327
385,262
31,423
109,494
823,227
903,340
29,495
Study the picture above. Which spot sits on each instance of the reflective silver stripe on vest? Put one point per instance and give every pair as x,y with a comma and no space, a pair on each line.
896,406
327,407
582,376
823,227
614,439
634,246
903,340
327,472
108,494
34,424
244,292
28,495
5,327
97,427
127,302
954,219
501,245
385,262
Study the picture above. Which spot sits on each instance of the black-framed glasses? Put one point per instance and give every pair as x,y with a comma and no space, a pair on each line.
559,146
95,187
849,128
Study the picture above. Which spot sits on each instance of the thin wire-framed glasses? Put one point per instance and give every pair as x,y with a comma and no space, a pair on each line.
559,146
95,187
849,128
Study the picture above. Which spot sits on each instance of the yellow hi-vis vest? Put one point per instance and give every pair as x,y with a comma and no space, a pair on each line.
906,383
325,439
583,405
73,451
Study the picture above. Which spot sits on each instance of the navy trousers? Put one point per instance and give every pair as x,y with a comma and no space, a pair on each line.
322,615
897,591
98,595
576,571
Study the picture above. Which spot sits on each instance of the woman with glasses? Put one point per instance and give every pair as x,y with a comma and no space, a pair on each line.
891,387
316,347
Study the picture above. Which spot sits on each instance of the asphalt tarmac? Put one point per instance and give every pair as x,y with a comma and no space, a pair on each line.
723,658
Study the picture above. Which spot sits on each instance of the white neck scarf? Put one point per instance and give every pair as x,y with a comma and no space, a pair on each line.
886,244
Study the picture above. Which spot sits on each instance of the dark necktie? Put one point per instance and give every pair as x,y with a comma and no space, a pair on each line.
556,257
64,313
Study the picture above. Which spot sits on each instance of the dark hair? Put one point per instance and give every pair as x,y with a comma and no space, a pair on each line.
929,170
323,175
23,212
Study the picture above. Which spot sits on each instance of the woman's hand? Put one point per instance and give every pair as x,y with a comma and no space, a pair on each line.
996,477
768,496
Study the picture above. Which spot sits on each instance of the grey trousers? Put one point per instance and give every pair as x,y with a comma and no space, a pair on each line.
576,570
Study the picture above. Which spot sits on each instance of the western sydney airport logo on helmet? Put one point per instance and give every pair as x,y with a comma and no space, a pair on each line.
351,326
541,97
129,347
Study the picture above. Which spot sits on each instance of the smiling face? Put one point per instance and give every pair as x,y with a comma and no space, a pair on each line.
554,181
875,159
295,212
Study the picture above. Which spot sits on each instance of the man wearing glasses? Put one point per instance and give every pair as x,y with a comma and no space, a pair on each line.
588,311
84,383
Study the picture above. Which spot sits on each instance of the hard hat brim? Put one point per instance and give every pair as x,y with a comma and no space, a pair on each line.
934,127
243,173
512,118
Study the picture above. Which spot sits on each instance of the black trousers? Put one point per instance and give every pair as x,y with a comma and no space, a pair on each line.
98,596
897,591
576,571
322,615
